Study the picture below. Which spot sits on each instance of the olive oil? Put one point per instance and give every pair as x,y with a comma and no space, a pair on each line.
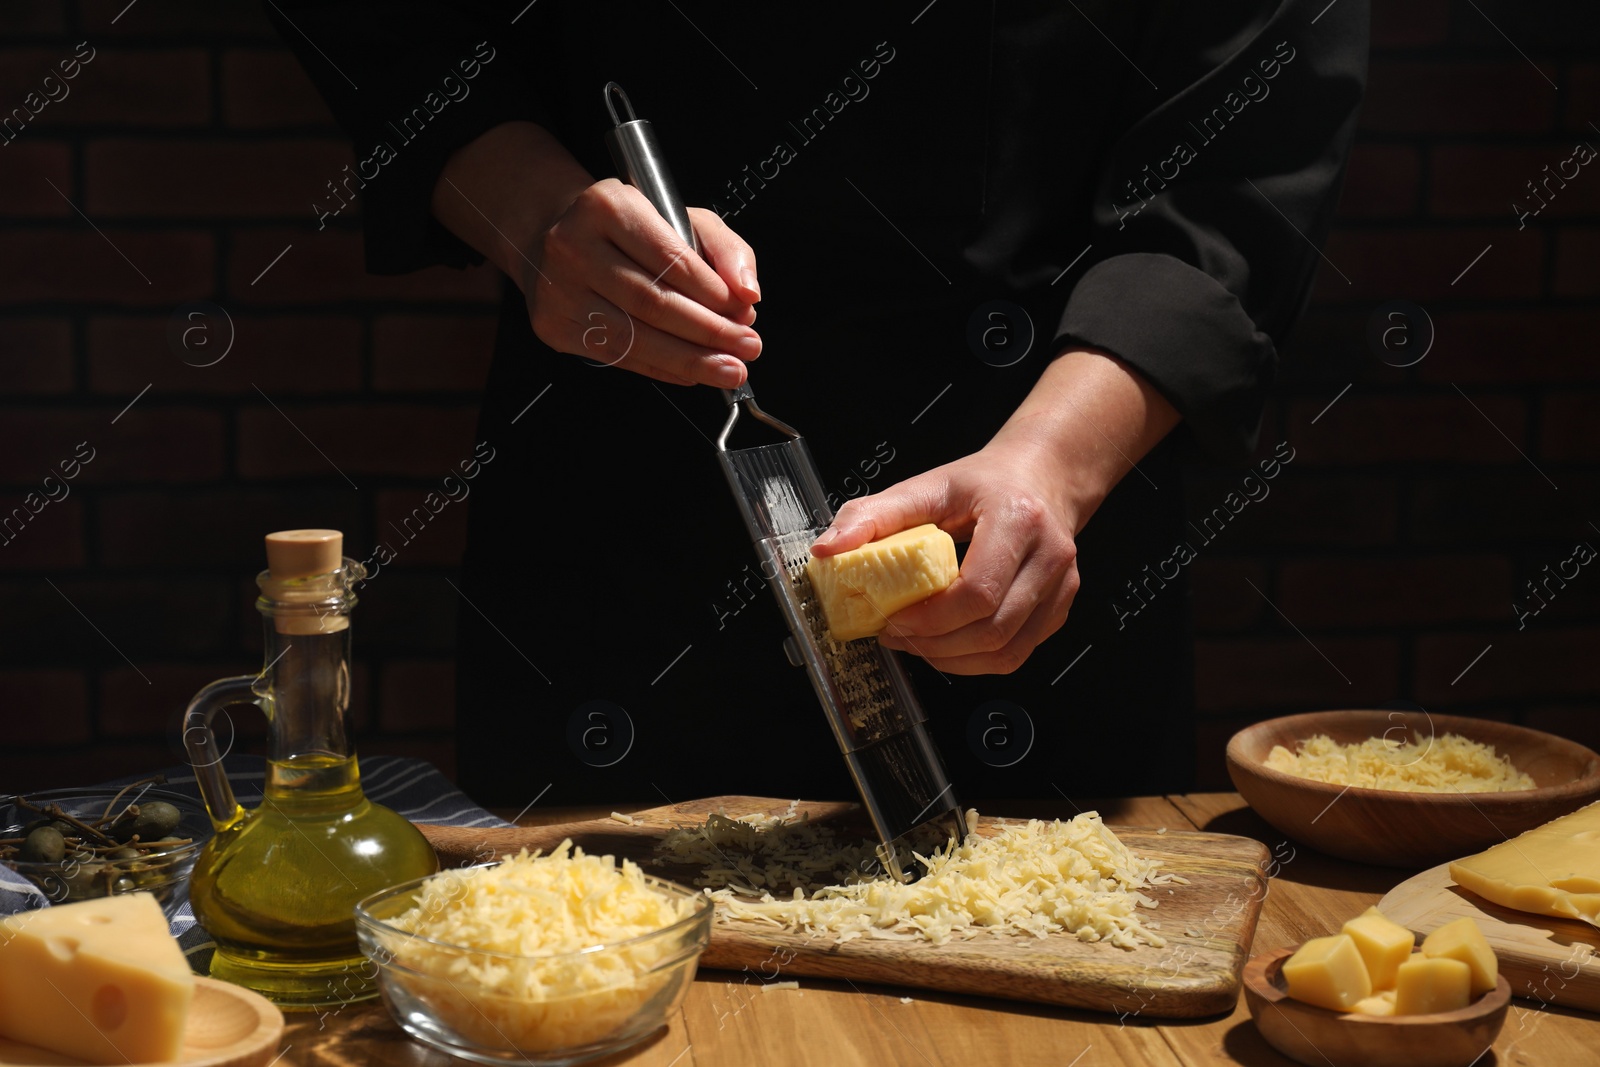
276,888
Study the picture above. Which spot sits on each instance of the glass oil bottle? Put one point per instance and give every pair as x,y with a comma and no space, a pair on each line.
277,885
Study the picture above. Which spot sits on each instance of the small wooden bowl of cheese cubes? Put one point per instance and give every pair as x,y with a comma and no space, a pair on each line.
1367,997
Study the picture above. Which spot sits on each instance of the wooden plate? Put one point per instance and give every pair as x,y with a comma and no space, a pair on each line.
1545,958
1411,830
1322,1038
228,1027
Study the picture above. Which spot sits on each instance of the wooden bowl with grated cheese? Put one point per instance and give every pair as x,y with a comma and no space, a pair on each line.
1407,788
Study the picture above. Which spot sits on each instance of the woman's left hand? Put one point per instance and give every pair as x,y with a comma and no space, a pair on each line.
1020,502
1021,568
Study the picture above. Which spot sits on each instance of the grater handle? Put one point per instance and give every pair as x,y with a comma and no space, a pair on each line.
637,154
639,160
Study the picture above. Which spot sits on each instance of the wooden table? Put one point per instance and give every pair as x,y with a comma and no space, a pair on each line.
727,1020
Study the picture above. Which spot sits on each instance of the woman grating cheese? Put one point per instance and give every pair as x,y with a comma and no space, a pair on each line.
1447,764
1036,878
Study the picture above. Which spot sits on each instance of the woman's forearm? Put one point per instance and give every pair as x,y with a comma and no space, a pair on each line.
1091,418
501,191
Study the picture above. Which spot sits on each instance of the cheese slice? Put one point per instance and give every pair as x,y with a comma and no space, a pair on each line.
1552,869
101,980
858,590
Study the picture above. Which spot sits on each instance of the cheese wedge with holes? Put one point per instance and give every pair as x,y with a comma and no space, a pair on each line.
858,590
1552,869
101,980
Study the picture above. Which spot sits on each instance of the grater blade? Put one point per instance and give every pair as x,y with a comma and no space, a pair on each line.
865,693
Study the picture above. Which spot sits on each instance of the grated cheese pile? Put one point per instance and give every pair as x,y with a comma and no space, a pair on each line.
1446,764
503,965
1034,878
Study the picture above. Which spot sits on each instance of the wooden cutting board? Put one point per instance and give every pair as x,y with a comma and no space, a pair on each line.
1546,959
1208,924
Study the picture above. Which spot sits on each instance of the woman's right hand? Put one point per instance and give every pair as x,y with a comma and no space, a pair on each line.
604,275
611,281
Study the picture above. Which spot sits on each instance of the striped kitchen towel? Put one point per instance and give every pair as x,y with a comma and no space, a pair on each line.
412,787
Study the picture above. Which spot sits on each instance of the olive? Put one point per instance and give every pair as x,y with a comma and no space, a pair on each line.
156,820
86,882
123,885
121,829
124,854
44,845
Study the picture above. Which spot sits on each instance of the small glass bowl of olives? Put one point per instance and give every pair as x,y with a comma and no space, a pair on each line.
77,844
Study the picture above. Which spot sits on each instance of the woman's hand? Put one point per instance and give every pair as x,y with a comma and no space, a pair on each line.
604,275
1020,502
610,280
1020,573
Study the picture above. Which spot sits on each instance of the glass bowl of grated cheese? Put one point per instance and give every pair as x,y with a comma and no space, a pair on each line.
1407,788
540,959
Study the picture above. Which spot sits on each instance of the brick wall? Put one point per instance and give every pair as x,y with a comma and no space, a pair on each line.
1383,563
1421,502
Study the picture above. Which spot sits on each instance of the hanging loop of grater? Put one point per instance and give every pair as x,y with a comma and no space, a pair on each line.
863,687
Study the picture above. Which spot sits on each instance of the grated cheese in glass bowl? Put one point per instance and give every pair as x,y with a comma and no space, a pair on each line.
539,959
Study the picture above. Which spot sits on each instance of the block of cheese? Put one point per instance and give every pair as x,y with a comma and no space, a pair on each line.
1424,986
858,590
1462,940
1380,1003
101,980
1328,972
1384,945
1552,869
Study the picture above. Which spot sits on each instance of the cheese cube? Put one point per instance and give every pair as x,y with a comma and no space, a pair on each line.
101,980
1424,986
1384,945
1328,972
1381,1003
1462,940
858,590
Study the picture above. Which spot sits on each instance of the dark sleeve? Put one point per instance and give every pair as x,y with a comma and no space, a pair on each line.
410,83
1213,203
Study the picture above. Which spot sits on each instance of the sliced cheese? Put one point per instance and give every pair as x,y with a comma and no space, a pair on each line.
1384,945
1424,986
1552,869
858,590
102,980
1462,940
1328,972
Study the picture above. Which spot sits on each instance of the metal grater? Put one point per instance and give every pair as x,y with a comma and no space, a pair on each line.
863,687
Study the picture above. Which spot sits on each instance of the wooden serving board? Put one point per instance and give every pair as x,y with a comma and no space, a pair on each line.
1546,959
1208,924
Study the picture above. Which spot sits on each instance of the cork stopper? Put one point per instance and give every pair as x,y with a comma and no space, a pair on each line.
292,557
303,553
